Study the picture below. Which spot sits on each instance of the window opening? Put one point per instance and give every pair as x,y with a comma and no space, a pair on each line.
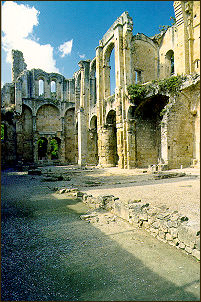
172,64
41,88
112,72
138,76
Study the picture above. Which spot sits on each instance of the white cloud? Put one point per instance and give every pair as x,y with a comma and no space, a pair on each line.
66,48
82,56
18,21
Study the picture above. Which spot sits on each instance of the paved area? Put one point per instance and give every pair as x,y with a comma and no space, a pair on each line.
50,254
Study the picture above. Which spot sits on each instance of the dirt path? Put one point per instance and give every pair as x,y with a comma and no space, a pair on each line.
50,254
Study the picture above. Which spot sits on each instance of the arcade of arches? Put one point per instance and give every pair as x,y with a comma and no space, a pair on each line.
90,119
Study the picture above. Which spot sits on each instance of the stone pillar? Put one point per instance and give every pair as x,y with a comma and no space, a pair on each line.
107,155
99,85
131,143
18,97
83,113
47,88
35,147
164,139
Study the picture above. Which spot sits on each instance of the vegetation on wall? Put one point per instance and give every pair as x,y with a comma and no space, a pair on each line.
2,132
169,86
54,149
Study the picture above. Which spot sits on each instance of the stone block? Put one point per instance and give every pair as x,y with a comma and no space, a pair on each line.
188,249
181,245
196,254
161,234
186,235
169,237
173,232
197,243
156,225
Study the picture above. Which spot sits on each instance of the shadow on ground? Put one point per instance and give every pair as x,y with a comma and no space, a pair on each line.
49,254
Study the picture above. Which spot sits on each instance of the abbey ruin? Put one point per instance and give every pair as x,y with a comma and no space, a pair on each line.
146,123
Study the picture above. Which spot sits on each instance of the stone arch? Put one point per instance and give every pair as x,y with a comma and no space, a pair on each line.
110,133
48,119
107,68
70,137
148,120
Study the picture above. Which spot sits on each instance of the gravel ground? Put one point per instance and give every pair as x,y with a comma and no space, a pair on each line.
50,254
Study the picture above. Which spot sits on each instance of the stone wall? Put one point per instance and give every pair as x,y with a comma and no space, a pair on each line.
164,224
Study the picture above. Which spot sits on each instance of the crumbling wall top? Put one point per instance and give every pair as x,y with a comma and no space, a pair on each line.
18,64
124,19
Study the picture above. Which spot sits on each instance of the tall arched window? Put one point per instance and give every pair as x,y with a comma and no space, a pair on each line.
169,60
53,86
41,87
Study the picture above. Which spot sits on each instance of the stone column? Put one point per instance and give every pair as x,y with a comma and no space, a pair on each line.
83,113
35,147
164,139
131,143
106,147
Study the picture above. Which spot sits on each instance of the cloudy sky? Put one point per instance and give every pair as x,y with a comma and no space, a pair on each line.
56,35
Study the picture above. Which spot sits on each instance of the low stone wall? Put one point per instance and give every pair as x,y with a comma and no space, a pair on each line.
166,225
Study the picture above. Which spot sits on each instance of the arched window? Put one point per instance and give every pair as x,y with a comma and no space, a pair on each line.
41,87
169,59
53,86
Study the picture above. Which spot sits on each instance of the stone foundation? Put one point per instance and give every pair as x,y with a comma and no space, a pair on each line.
164,224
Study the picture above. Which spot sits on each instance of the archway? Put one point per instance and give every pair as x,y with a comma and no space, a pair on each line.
148,118
55,148
42,148
111,141
109,70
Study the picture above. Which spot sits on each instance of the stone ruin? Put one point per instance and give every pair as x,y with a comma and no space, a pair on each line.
48,119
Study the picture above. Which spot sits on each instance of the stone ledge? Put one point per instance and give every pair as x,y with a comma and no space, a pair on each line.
164,224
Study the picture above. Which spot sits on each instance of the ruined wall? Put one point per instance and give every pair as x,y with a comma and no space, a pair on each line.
48,119
69,133
27,129
65,111
8,142
144,58
148,142
180,135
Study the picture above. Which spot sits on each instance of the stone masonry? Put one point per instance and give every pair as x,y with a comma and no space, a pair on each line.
92,127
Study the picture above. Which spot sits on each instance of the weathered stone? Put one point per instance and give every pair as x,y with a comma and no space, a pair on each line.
181,245
188,249
196,254
173,232
186,234
168,237
161,235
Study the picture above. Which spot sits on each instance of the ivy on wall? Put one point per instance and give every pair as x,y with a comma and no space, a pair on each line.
171,86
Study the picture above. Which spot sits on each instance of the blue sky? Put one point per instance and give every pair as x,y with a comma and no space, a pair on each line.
56,35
